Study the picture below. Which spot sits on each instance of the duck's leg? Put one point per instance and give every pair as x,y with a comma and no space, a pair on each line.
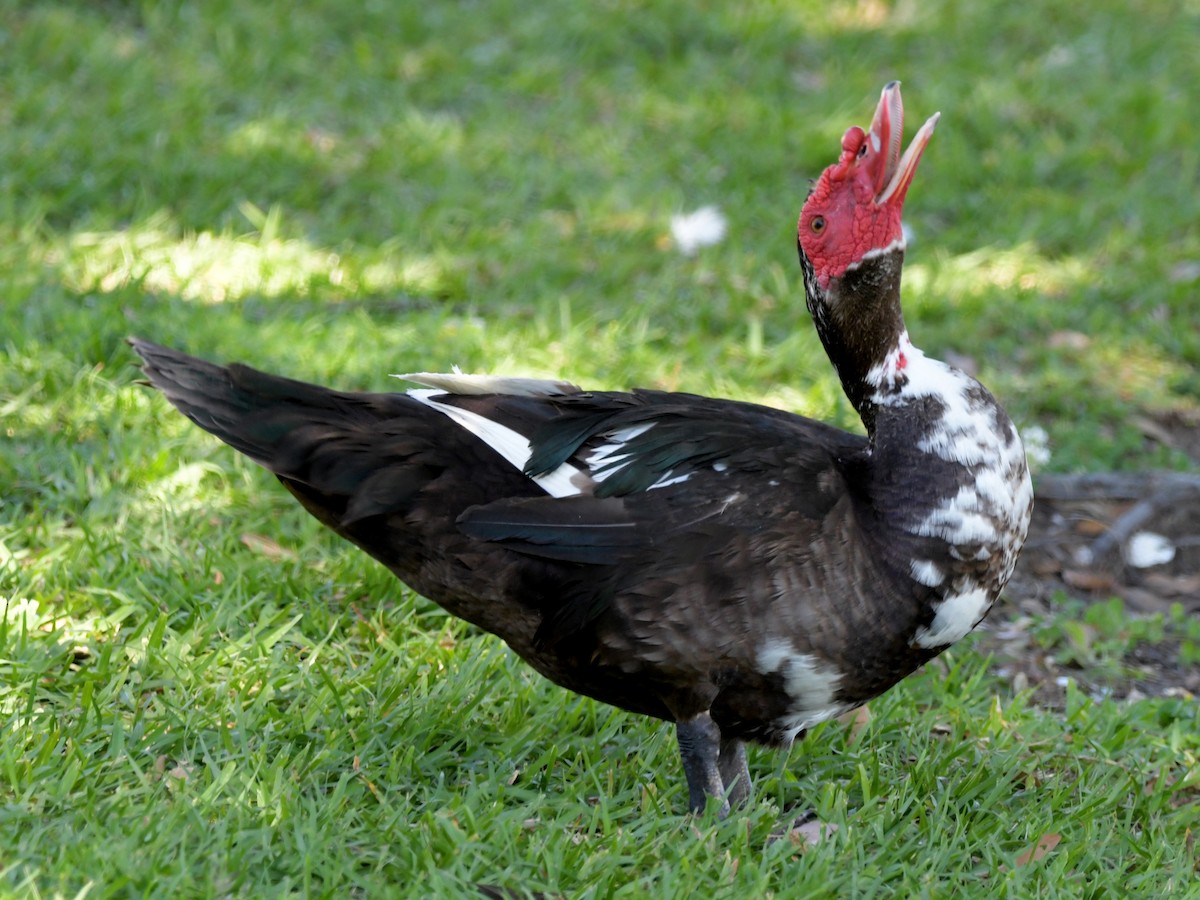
700,749
735,773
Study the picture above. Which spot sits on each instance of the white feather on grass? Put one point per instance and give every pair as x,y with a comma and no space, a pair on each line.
702,228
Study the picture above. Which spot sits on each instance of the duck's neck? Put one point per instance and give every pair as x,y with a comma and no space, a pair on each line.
860,324
947,479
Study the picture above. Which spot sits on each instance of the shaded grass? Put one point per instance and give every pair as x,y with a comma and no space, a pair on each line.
342,191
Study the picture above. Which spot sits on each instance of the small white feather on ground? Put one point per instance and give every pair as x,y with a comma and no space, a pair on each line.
702,228
1146,549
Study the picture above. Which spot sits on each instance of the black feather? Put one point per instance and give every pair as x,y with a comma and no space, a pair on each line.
570,529
556,441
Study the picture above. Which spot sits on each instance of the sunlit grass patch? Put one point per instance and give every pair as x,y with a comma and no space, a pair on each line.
1015,272
208,267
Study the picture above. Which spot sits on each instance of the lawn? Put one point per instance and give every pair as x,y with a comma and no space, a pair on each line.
202,693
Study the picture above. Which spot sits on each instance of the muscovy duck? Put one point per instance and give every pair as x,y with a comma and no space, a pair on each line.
742,572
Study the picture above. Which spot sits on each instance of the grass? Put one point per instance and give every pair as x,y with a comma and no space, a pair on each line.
203,694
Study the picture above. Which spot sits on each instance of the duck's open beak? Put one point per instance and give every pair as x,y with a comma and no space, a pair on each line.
893,173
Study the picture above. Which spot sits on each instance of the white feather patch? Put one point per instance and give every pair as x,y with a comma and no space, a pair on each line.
960,520
811,684
1000,492
926,572
669,479
954,618
624,435
608,459
898,244
565,481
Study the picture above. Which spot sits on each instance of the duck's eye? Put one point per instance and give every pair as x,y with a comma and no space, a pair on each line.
817,224
862,151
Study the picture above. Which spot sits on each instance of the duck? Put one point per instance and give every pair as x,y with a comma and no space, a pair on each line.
739,571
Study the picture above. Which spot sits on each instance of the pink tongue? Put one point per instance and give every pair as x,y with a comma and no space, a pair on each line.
895,138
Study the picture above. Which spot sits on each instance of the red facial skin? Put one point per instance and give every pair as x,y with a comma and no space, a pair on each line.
855,206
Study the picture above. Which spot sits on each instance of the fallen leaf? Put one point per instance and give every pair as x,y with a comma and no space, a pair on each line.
1088,581
267,547
1068,340
1090,527
1044,845
180,773
811,833
1046,565
1188,270
1139,600
320,140
1173,585
1149,787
